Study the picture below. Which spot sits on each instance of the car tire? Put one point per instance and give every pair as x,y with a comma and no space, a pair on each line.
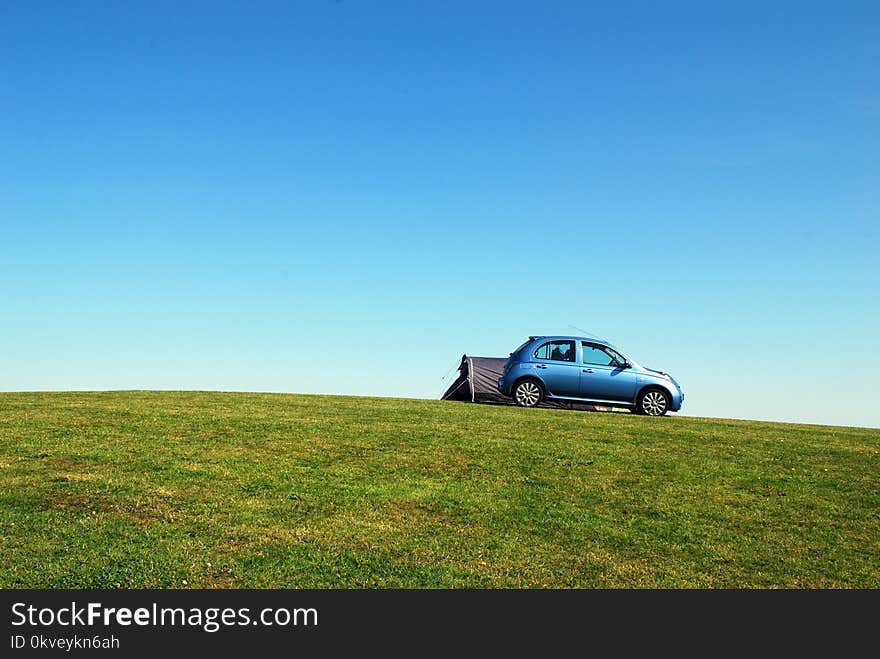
653,402
527,393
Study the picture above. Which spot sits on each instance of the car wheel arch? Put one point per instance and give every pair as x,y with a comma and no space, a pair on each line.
652,385
532,378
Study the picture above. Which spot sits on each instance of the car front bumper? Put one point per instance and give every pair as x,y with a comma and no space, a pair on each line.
677,399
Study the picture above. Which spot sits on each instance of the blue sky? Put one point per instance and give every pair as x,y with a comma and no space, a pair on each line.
344,197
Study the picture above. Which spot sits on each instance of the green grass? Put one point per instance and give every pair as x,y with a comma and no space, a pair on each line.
226,490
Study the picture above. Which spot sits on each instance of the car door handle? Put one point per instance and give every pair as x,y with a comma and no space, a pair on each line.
588,370
541,366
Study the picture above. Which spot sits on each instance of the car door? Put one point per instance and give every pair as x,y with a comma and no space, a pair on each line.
556,365
602,376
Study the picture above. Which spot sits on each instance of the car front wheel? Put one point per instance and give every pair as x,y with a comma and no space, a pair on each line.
653,402
527,393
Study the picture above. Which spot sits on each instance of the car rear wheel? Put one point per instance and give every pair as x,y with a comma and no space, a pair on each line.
527,393
653,402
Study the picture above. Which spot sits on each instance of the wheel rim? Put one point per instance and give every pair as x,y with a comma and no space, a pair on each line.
528,394
654,403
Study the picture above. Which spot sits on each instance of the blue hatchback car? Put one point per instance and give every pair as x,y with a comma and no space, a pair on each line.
575,368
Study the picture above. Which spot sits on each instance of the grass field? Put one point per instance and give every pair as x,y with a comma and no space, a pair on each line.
228,490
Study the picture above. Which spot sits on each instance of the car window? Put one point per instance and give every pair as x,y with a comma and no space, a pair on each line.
593,354
561,351
616,356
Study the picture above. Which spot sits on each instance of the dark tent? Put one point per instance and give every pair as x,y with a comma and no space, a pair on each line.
477,382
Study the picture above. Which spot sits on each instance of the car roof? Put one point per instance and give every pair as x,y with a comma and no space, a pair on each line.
571,338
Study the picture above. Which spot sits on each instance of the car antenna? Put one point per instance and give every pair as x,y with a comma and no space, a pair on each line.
583,331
